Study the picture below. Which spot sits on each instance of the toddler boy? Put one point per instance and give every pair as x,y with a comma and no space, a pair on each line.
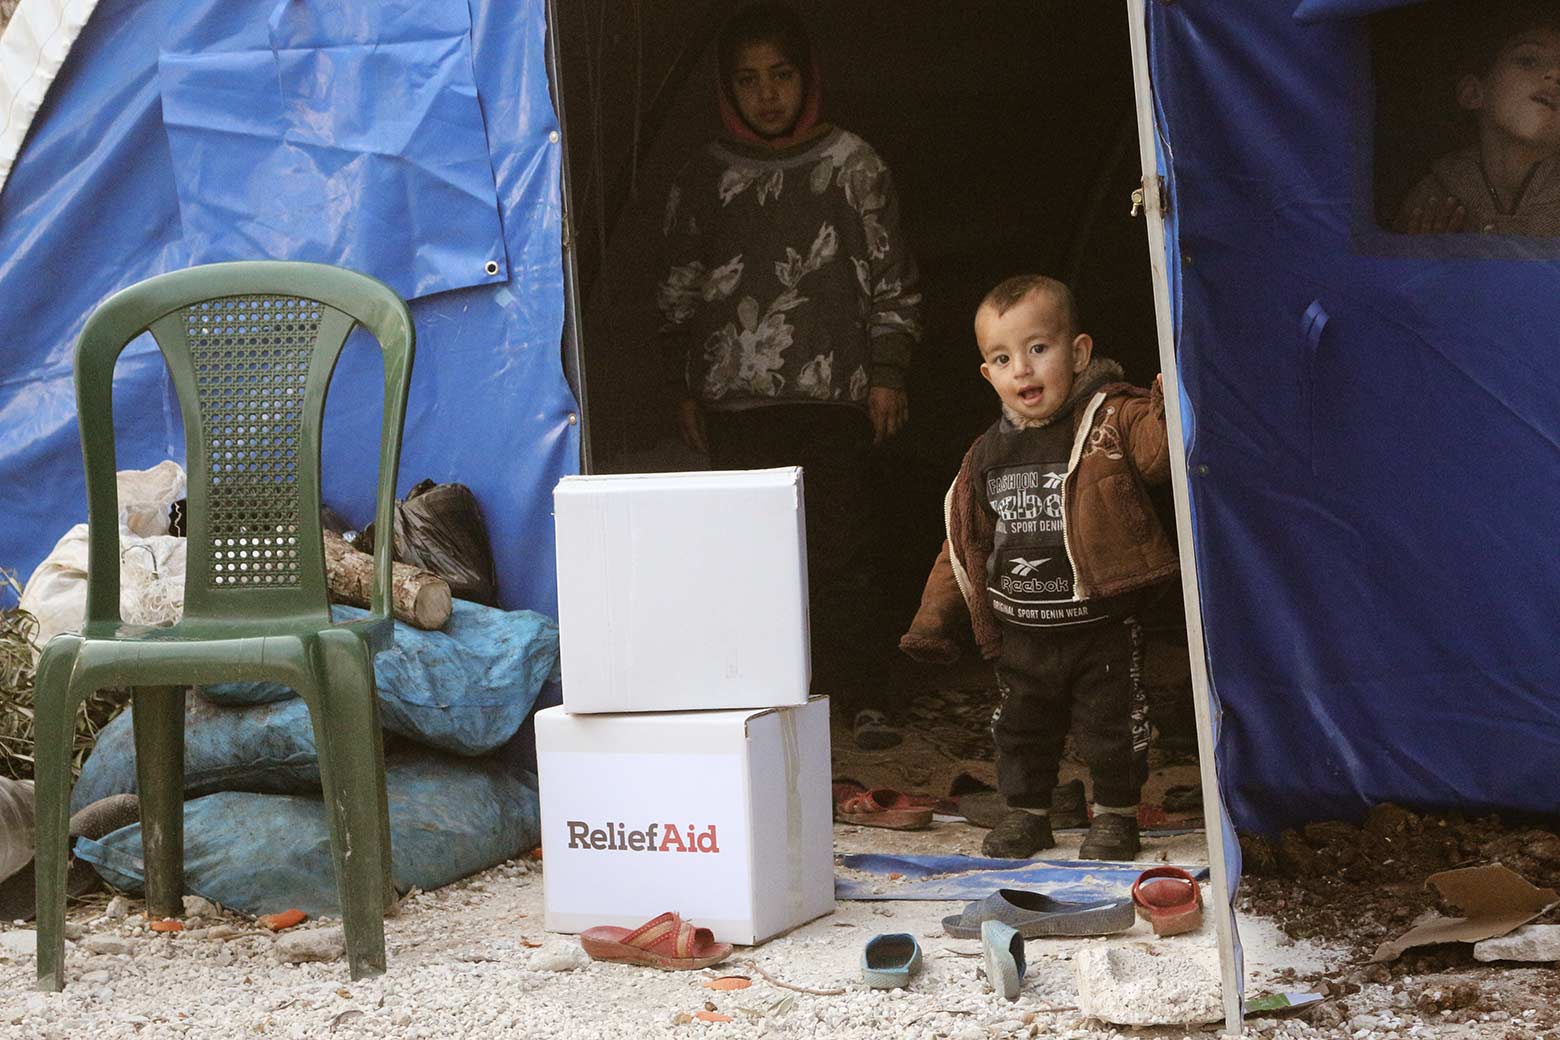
1508,183
1052,542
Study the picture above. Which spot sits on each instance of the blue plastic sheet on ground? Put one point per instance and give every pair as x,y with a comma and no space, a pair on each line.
464,689
92,205
262,853
260,747
971,877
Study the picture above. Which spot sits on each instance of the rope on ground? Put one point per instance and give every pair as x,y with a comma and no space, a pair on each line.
786,985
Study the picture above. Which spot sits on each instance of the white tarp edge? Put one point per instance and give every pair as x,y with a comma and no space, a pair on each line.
32,49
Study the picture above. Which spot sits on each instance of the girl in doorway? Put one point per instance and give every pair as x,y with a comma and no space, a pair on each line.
790,312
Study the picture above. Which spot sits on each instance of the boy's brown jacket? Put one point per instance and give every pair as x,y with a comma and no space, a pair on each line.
1113,538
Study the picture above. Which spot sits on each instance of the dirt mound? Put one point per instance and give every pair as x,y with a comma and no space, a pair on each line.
1360,885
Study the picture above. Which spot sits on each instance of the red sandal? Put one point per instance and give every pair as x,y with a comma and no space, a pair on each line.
1168,899
666,942
884,807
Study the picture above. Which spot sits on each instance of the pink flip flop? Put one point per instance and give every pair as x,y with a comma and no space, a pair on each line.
1168,899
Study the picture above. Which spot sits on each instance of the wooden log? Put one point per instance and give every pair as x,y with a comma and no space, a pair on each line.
416,596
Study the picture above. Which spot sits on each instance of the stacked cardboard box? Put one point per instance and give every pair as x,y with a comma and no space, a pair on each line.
687,768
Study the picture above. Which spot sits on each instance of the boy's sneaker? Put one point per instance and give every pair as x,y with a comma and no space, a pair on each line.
1111,837
1069,808
1018,835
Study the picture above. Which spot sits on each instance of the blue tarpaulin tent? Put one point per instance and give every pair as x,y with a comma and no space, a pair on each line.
415,141
1376,439
1371,423
1375,431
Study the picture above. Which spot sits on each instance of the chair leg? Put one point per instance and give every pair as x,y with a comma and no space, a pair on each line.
352,774
392,898
54,725
159,772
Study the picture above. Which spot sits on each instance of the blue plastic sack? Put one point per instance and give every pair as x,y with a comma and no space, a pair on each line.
465,689
260,747
263,853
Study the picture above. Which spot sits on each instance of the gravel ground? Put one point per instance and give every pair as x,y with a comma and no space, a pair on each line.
472,960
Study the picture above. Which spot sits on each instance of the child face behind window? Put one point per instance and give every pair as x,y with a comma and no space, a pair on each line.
1517,102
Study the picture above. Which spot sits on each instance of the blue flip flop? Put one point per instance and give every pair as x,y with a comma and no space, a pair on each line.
888,961
1004,949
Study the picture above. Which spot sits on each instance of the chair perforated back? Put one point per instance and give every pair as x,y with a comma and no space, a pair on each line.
251,348
251,357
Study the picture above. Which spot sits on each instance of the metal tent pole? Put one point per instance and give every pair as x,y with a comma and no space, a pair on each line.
573,306
1148,135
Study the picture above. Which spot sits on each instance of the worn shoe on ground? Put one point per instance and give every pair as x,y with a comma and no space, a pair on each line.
888,961
1018,835
871,731
1110,837
1003,947
1035,914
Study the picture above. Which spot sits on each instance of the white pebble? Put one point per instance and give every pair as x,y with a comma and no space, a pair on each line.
558,956
315,944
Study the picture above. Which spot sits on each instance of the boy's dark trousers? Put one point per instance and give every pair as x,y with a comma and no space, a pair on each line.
832,444
1089,677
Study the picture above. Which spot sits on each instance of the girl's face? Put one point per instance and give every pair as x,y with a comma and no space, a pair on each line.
767,89
1519,98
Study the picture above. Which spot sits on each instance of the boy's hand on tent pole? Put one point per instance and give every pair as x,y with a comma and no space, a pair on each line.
889,409
690,424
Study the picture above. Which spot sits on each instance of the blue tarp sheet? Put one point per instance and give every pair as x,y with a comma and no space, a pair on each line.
1377,433
973,877
415,141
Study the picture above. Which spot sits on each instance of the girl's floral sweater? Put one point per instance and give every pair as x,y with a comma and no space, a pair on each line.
788,279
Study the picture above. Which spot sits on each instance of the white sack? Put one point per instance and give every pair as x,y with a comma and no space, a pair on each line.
151,573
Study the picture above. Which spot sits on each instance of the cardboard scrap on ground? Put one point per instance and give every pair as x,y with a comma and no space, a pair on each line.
1495,899
1274,1003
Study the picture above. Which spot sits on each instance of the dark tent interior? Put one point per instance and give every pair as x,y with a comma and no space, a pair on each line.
1010,130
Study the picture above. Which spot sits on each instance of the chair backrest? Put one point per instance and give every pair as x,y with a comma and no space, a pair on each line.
250,347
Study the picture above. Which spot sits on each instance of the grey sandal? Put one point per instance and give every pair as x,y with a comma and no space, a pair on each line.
1033,914
1004,950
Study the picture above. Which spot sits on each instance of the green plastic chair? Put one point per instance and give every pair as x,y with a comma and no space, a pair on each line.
251,348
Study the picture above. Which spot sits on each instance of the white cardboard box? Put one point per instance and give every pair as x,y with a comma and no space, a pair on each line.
721,816
682,591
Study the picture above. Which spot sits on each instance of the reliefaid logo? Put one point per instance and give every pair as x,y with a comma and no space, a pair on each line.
654,838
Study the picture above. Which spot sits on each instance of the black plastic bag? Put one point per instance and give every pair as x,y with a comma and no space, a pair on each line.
439,528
